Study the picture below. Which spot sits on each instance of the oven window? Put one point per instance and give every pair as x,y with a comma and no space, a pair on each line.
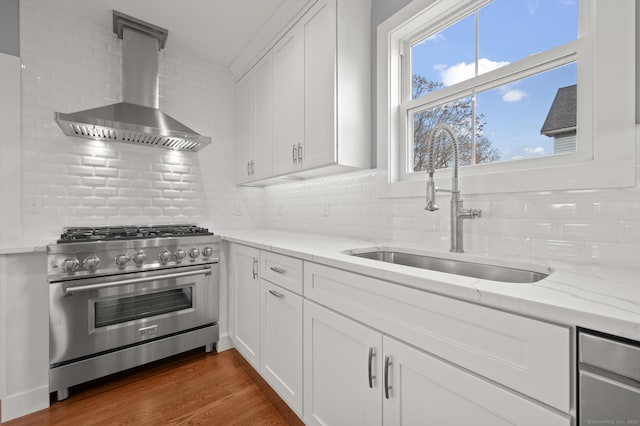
114,311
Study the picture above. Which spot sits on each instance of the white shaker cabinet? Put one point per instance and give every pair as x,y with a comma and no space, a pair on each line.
288,100
422,390
281,342
254,122
340,389
245,300
322,90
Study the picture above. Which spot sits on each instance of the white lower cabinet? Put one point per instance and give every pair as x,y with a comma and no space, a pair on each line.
245,301
281,342
422,390
337,355
355,375
346,349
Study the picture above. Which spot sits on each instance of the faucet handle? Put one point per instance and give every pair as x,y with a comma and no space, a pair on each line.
431,195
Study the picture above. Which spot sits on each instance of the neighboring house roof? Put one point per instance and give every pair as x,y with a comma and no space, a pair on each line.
562,114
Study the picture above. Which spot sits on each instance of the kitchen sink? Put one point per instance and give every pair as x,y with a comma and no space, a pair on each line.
452,266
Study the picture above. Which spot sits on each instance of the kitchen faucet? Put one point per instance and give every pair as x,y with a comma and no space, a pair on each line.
458,214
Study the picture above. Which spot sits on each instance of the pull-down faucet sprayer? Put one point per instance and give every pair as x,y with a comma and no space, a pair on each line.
458,214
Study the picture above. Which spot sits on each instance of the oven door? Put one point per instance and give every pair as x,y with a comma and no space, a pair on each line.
94,315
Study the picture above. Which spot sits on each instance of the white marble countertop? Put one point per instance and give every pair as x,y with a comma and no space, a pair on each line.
601,298
16,247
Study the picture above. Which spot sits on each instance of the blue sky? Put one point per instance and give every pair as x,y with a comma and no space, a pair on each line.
509,30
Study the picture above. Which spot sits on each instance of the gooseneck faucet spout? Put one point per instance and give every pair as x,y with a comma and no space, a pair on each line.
458,214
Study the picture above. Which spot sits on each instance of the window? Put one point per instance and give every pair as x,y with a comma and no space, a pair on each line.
534,89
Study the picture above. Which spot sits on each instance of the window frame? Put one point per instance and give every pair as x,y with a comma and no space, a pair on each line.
606,110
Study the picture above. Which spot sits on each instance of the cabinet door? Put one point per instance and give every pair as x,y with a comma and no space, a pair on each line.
336,370
246,303
245,127
426,391
263,136
281,343
319,85
288,100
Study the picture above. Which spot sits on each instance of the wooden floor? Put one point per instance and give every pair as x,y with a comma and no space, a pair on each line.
189,389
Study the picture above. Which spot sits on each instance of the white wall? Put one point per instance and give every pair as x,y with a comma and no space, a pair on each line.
72,64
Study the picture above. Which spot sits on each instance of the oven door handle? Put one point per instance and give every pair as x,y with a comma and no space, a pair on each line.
90,287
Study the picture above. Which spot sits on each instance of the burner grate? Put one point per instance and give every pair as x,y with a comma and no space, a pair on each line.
107,233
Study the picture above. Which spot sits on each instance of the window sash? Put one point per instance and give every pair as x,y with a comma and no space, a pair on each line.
532,65
606,117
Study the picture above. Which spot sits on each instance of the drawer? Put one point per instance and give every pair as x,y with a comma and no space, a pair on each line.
530,356
284,271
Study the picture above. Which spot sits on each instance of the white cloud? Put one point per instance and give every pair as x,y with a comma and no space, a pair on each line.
514,95
439,67
463,71
536,150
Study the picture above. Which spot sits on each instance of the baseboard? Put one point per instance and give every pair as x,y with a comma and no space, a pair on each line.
224,343
18,405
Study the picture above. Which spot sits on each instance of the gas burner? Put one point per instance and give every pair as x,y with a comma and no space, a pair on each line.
108,233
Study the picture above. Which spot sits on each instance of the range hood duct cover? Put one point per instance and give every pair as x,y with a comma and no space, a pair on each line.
138,119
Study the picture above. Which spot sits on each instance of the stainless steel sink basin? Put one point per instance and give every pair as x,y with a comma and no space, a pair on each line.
451,266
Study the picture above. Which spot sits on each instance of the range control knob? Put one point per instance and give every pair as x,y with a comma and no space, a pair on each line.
194,252
180,254
164,255
122,259
70,264
140,257
207,251
91,263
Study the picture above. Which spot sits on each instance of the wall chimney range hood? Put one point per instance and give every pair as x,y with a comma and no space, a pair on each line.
138,119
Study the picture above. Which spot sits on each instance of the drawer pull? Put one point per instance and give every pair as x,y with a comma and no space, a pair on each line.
277,294
387,385
255,268
372,353
278,270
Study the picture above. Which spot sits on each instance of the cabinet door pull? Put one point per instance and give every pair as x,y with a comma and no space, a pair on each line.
277,270
255,268
277,294
387,385
295,154
248,168
253,167
372,353
300,153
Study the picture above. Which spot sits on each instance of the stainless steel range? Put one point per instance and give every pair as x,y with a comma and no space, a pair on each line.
124,296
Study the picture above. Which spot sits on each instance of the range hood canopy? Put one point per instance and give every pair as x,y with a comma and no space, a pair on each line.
138,119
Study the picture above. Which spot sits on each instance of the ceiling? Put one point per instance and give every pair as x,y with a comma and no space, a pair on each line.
224,32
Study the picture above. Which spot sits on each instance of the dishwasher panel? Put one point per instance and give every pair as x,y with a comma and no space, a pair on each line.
609,381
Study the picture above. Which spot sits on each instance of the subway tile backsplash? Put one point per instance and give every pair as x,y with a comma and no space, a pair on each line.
71,64
558,227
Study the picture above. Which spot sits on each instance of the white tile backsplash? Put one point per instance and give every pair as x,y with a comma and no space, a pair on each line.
70,64
554,227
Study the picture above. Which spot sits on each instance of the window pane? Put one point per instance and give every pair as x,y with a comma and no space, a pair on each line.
458,114
446,57
531,117
509,30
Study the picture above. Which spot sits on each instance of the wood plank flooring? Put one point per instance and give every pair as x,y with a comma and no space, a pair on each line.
194,388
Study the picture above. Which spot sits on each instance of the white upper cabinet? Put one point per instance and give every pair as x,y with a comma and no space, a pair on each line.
254,122
288,100
321,93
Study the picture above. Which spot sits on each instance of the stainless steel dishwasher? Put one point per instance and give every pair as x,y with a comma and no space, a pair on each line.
609,380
